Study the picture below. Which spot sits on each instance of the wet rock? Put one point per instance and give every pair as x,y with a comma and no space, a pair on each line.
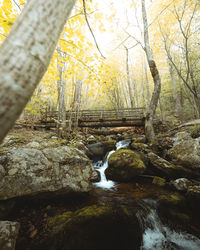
172,200
94,227
141,147
139,139
51,171
97,149
109,145
159,181
8,234
181,184
186,152
6,207
123,165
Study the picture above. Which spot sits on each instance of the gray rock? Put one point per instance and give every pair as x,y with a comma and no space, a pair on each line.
160,166
186,153
50,171
33,144
97,149
8,234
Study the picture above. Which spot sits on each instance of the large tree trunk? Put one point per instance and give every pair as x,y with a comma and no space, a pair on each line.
149,130
26,53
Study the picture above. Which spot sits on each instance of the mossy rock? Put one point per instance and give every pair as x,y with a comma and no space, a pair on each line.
195,131
109,145
159,181
123,165
140,147
174,199
94,227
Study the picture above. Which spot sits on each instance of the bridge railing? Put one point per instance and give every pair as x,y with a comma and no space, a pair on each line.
94,115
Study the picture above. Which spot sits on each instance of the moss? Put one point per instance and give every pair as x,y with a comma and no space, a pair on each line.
125,157
159,181
60,219
109,145
140,146
69,217
195,131
172,199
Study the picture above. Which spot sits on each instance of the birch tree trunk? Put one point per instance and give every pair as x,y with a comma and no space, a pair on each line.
26,53
151,109
128,80
61,126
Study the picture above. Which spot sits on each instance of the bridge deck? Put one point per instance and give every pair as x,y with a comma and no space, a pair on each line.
100,118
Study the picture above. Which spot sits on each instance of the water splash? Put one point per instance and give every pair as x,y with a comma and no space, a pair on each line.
101,166
160,237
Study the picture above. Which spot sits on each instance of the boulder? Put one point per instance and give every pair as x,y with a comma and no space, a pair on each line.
181,184
8,234
123,165
93,227
97,149
29,171
164,168
186,152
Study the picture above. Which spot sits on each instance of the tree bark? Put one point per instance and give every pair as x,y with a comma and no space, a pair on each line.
128,80
26,53
149,130
61,126
178,104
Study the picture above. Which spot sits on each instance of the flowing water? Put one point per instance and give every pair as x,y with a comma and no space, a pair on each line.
101,166
156,235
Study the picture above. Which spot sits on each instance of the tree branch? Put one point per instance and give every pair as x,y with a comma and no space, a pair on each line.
85,14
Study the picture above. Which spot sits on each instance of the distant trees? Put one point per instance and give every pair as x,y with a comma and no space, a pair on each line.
182,48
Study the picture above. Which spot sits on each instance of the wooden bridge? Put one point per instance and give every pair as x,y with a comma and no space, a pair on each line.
98,118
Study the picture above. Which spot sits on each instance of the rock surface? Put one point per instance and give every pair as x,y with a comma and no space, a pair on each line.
186,151
123,165
8,234
162,167
29,171
101,226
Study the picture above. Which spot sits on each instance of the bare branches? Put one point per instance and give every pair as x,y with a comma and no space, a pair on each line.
85,14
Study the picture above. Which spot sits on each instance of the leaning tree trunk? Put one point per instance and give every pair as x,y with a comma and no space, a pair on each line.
26,53
151,109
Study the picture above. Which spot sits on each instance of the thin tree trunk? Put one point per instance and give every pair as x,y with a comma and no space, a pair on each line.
26,53
156,78
128,80
61,97
146,82
178,105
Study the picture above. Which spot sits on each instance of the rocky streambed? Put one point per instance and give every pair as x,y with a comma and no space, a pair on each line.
52,196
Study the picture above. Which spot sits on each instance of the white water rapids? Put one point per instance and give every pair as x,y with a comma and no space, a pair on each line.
158,236
101,166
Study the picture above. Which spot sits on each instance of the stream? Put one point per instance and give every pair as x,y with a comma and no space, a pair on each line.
156,235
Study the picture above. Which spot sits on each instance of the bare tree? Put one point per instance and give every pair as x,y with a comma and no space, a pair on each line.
156,78
26,53
188,76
